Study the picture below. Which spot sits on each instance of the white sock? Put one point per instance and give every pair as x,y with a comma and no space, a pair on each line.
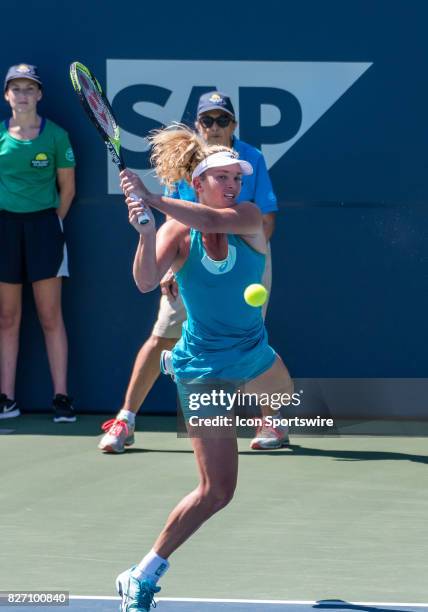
127,415
152,567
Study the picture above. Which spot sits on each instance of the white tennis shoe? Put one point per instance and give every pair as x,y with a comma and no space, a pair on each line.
119,433
268,438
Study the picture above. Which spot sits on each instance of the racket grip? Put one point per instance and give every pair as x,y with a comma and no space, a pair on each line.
143,218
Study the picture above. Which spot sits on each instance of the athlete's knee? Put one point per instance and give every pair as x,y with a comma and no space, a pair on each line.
9,319
219,494
50,319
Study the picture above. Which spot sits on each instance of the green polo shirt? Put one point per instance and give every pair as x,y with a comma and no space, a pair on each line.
28,168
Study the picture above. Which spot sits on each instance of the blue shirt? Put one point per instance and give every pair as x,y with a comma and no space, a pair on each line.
256,188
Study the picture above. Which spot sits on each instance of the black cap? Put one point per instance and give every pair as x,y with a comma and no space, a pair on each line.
215,100
22,71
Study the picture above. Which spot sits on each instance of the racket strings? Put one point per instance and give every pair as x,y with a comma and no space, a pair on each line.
97,105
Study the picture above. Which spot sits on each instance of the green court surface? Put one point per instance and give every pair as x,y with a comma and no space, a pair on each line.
331,518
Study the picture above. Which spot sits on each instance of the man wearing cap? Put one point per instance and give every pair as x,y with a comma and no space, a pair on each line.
216,124
36,191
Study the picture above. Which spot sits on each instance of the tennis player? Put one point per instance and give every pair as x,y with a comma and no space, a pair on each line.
215,249
216,123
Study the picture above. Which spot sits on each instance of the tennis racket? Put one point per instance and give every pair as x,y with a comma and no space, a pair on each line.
101,114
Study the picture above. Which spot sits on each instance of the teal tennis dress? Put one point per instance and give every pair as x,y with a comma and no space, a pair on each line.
223,339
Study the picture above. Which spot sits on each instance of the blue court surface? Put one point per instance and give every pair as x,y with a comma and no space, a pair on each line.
111,604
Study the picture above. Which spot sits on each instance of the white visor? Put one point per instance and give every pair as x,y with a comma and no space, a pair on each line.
222,158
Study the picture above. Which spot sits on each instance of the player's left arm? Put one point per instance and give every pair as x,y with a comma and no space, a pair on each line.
66,188
243,219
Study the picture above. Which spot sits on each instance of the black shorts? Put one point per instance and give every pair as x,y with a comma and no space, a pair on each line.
32,246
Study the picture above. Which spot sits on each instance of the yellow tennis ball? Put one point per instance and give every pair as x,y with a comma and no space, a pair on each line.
255,295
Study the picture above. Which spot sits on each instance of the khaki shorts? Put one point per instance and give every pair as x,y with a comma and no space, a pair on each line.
172,313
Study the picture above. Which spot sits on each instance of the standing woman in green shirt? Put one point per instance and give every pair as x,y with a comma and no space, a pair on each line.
36,190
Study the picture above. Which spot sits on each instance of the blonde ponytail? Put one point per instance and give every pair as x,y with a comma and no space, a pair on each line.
176,151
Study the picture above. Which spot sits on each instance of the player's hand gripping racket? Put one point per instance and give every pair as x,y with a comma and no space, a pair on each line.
100,112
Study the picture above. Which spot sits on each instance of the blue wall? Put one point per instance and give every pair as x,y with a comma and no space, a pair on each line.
350,251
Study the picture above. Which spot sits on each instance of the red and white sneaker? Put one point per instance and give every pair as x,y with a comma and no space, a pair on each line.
118,435
268,437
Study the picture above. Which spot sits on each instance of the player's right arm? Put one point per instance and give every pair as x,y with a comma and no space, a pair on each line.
156,252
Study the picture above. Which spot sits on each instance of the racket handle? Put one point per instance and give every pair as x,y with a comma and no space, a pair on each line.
143,218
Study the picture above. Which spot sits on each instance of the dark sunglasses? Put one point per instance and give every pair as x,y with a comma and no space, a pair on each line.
223,121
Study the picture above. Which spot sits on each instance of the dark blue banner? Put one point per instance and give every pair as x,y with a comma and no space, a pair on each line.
335,94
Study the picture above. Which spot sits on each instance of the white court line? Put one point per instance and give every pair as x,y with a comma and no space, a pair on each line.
332,604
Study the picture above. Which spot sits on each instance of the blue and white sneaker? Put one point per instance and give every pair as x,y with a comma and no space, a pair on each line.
137,595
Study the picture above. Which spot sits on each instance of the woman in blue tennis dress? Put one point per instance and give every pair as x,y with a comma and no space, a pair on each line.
216,249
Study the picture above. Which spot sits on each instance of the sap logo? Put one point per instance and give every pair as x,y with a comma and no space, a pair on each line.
276,102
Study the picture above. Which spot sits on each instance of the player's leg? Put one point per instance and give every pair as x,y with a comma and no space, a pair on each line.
275,383
217,461
165,333
47,297
10,319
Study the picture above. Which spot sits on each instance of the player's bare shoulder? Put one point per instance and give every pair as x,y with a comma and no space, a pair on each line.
249,208
178,236
173,231
257,238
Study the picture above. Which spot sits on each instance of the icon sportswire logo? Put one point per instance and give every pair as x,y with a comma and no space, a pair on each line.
276,102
